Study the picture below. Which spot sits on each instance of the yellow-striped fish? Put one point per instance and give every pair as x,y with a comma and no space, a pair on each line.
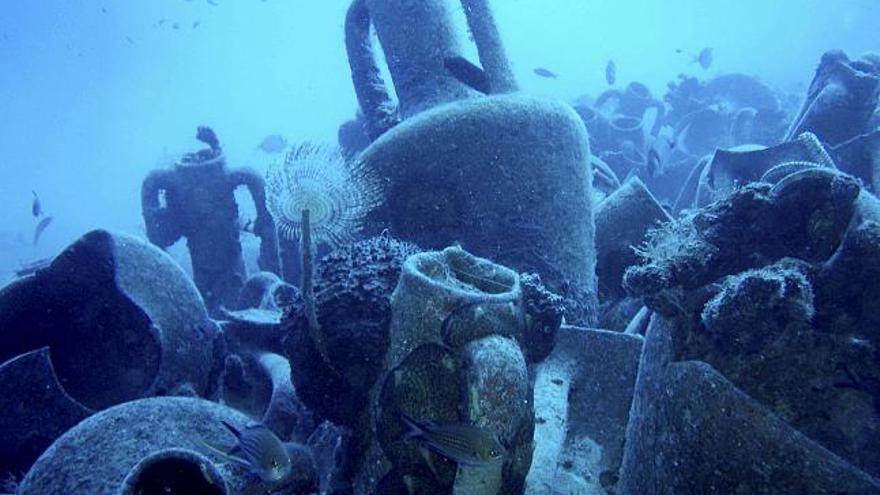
466,444
258,449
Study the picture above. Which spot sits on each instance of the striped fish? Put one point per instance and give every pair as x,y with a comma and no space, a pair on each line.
258,449
466,444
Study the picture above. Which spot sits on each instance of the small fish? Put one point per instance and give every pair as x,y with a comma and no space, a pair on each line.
653,163
36,206
611,72
468,73
212,2
541,71
704,58
273,143
258,449
176,25
196,24
466,444
129,40
38,232
681,137
103,10
658,153
33,266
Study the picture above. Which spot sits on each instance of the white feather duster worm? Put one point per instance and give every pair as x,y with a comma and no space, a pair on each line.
338,193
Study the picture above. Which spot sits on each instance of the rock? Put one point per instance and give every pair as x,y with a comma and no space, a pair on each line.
759,331
753,308
621,223
353,289
582,399
692,431
674,254
804,215
786,326
544,313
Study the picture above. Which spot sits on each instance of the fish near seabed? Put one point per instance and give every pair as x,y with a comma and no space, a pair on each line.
36,206
705,58
541,71
273,143
38,231
33,266
466,444
611,72
653,163
660,149
258,449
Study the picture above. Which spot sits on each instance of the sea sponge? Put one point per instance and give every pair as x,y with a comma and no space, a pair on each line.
671,252
753,307
353,287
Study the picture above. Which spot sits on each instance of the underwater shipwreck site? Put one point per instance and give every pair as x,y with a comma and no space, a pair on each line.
497,275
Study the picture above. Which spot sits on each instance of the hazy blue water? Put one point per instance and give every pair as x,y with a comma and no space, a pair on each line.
90,101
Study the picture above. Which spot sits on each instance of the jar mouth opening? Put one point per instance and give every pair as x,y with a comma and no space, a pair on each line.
174,471
456,269
202,158
624,122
